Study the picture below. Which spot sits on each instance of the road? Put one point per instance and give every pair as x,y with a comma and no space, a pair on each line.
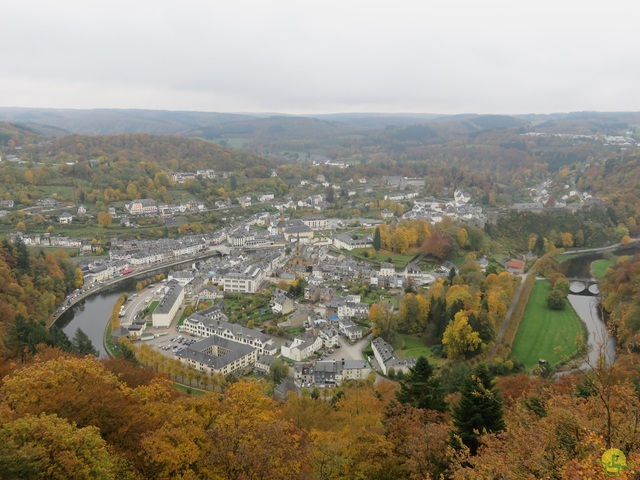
138,303
601,249
507,317
347,350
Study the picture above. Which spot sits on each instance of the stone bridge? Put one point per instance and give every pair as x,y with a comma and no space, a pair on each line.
584,286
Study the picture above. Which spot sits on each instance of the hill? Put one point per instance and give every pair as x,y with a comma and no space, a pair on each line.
170,152
57,122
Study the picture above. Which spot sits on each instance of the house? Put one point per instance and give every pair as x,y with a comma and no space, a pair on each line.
144,206
82,210
301,347
6,204
263,364
349,329
266,197
387,269
515,267
347,242
387,358
210,292
315,222
282,302
65,218
329,372
329,336
245,202
386,213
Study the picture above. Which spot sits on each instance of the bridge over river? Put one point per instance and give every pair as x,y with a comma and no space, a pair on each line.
584,286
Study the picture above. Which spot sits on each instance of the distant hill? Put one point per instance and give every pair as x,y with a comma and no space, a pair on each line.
57,122
171,152
17,134
276,128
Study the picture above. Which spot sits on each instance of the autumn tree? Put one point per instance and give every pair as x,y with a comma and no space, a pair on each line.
384,320
48,447
104,219
252,439
438,245
459,338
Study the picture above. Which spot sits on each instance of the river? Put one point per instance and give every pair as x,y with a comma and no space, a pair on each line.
600,342
92,314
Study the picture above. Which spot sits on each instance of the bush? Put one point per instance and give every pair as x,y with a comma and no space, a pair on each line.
555,300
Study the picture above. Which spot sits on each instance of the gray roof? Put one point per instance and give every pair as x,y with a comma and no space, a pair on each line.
197,352
169,299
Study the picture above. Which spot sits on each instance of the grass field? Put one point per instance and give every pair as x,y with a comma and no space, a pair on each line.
599,267
407,345
546,333
370,255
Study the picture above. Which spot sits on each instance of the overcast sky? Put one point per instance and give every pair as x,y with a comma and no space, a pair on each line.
308,56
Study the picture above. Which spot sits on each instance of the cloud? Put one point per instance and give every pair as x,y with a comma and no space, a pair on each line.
320,56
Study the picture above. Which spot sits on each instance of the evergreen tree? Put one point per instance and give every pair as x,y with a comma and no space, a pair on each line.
233,182
479,410
127,353
24,336
377,240
58,339
82,344
24,262
421,389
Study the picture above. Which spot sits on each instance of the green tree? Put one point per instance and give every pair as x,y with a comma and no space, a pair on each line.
278,371
556,300
233,182
377,240
421,389
479,410
82,344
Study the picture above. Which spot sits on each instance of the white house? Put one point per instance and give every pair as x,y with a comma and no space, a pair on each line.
66,218
301,347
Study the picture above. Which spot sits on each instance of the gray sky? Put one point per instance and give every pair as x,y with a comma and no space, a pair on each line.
308,56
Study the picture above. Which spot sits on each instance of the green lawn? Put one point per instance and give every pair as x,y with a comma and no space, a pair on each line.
546,333
370,255
152,307
599,267
407,345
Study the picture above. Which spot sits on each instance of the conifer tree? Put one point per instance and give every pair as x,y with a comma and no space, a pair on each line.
377,240
421,389
479,410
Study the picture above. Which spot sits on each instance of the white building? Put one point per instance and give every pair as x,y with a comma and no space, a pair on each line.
168,306
301,347
217,324
246,281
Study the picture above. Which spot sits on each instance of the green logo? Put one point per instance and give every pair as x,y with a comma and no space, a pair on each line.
614,461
